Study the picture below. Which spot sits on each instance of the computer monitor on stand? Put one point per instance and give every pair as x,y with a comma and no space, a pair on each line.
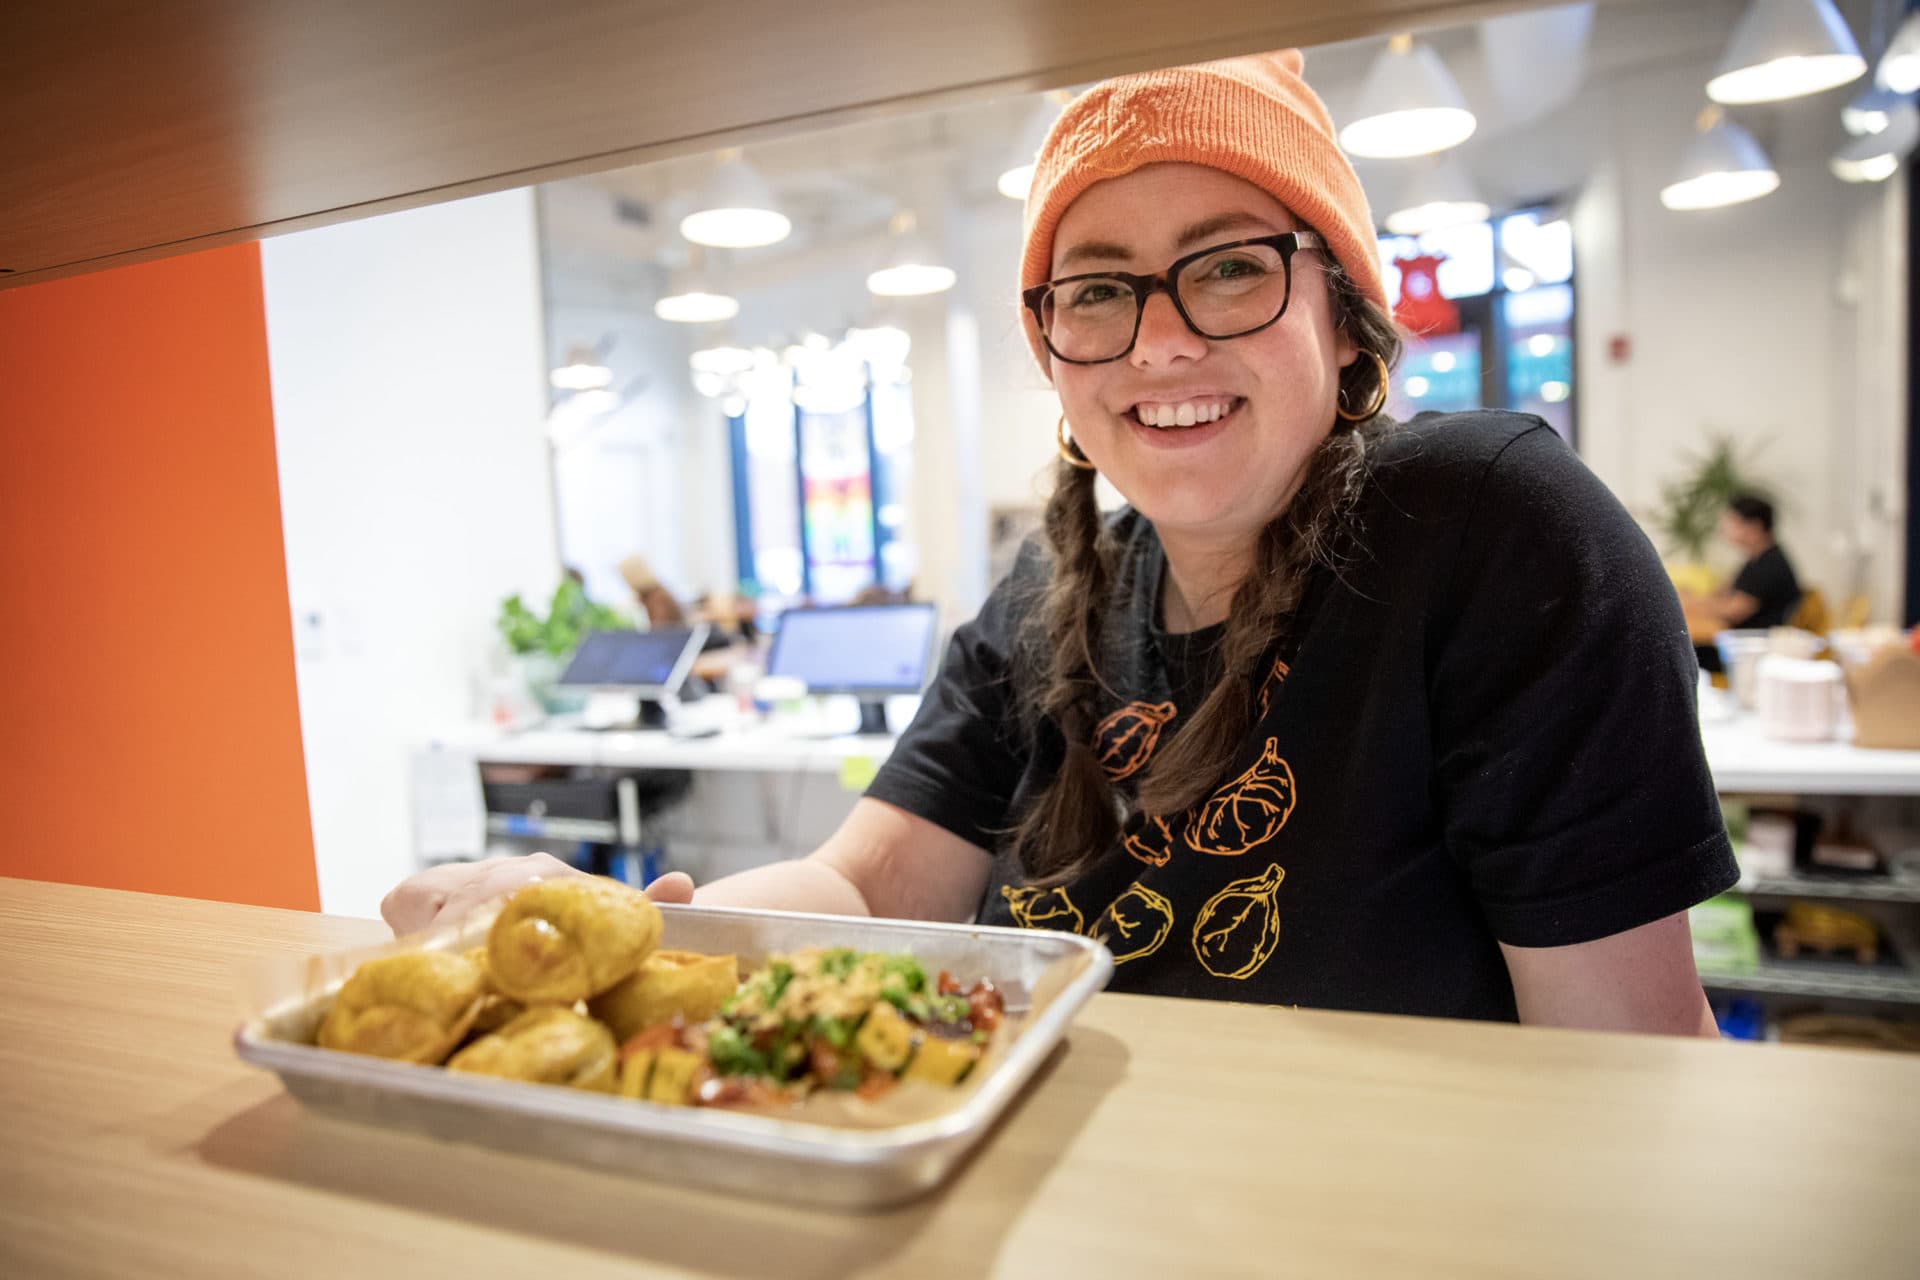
646,669
870,651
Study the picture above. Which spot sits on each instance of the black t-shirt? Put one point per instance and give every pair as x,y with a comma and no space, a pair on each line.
1768,578
1480,729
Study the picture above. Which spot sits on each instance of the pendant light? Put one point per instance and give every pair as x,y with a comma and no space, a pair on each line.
691,298
696,307
582,371
1871,110
912,268
1899,68
736,209
1410,105
1875,157
1786,49
1723,166
1439,194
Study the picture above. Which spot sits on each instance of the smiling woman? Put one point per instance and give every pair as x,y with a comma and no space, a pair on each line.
1339,711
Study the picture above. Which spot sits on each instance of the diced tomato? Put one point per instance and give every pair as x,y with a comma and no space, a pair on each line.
824,1061
668,1035
739,1091
876,1084
985,1006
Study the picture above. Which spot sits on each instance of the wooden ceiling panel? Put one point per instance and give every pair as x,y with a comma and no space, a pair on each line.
128,131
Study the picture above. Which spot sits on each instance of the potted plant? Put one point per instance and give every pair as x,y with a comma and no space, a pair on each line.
542,646
1691,504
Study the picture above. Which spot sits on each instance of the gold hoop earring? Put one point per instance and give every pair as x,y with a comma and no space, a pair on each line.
1069,451
1379,401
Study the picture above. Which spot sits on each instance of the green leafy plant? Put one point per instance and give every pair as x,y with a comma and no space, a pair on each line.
570,617
1690,505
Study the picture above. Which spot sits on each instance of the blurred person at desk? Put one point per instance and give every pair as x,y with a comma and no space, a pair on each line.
661,609
1764,593
1340,711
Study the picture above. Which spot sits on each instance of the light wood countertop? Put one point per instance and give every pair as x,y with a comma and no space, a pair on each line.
1173,1138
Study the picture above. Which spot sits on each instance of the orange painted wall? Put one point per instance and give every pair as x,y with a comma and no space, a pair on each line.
149,725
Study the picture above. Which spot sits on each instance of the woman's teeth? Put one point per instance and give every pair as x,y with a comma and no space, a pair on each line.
1187,414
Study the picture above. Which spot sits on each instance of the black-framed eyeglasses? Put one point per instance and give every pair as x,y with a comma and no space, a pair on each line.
1226,291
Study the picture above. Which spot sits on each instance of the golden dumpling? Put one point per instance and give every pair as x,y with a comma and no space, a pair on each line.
496,1010
669,984
558,941
413,1007
545,1046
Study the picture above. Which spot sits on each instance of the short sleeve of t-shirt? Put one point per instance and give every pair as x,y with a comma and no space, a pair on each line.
959,763
1572,784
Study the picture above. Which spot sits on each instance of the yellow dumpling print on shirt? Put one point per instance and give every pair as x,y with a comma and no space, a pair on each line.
1035,908
1236,932
1135,925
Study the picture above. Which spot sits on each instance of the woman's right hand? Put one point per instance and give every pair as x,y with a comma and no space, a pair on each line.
448,892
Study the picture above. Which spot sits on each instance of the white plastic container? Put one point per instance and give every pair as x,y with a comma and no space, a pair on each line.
1798,700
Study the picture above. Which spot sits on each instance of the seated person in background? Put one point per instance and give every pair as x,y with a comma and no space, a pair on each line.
732,617
661,608
1765,591
877,594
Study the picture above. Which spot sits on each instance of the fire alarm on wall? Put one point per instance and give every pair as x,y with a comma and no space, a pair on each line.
1619,348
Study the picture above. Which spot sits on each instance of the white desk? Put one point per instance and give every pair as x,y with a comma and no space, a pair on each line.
750,749
1741,758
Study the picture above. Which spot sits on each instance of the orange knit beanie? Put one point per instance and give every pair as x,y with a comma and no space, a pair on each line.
1253,117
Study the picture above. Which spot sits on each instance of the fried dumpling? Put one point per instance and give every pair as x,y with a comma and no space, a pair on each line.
685,984
496,1010
545,1046
414,1007
558,941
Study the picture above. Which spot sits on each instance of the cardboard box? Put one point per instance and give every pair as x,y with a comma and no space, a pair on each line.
1885,691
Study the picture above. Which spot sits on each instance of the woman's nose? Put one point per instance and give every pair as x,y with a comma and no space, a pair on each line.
1164,337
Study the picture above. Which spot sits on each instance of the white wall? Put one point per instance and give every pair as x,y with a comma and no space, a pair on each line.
1018,407
409,398
651,477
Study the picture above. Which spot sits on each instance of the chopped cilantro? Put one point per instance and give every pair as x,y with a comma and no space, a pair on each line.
732,1055
906,969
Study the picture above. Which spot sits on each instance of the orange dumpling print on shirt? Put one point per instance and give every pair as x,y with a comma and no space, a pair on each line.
1125,740
1152,843
1248,811
1276,677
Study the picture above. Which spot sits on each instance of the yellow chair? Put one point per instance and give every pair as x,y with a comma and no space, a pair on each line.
1811,613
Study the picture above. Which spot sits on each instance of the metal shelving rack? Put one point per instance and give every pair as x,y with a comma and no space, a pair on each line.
1813,979
1744,762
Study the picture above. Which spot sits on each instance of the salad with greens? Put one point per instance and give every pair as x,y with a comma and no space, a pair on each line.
823,1018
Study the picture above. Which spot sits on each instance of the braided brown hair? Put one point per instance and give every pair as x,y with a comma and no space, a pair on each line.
1076,818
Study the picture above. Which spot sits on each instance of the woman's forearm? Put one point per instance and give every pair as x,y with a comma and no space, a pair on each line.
807,884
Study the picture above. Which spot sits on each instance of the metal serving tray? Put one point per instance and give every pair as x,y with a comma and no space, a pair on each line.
1045,976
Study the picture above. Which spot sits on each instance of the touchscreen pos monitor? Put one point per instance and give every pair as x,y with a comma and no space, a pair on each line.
869,651
651,666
